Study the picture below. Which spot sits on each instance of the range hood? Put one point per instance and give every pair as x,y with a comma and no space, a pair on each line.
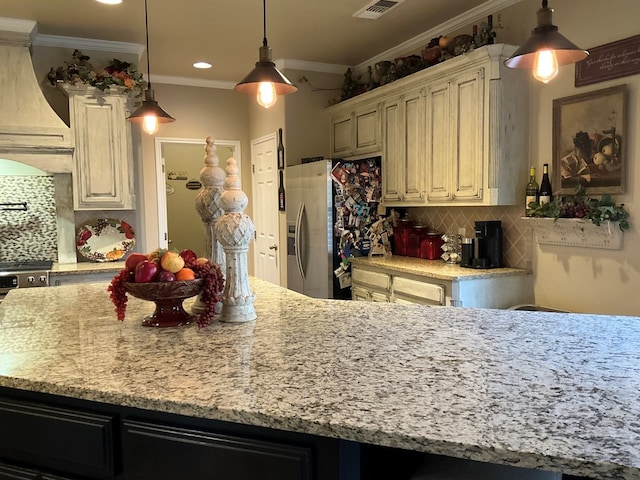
31,131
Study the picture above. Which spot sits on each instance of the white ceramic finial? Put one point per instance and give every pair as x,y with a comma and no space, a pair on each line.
234,231
212,177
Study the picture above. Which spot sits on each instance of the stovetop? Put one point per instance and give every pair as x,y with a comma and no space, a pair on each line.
26,266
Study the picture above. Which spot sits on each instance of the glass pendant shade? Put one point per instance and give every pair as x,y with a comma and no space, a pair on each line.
149,114
265,81
546,49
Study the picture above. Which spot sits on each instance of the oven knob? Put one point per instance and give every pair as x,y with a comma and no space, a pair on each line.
43,279
31,279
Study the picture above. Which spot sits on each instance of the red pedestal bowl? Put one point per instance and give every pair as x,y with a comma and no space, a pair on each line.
168,298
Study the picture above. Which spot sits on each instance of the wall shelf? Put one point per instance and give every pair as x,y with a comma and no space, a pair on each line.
577,233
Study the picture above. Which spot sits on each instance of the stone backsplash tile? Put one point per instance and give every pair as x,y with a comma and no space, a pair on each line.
31,234
517,236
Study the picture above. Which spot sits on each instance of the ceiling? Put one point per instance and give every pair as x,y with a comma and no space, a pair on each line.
229,33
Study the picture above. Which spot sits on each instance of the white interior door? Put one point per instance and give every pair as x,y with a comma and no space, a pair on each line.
265,208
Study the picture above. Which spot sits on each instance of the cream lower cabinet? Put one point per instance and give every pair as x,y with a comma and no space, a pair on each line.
484,291
103,165
374,285
403,181
356,131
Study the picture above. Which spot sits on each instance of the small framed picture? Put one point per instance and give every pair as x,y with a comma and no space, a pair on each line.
588,141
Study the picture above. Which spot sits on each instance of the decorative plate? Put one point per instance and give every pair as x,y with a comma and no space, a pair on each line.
105,240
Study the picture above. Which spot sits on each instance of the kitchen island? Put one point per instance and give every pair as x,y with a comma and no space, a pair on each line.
317,379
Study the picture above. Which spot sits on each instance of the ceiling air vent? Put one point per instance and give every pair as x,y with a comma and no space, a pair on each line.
376,9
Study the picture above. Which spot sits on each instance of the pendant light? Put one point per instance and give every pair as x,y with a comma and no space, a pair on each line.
546,49
265,80
149,114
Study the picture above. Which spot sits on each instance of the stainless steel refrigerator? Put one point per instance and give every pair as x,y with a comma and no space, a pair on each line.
309,206
330,206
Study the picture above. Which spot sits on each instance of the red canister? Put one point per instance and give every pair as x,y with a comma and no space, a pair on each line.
418,233
431,246
401,235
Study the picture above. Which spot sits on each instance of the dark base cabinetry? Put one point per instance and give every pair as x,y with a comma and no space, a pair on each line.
151,451
45,437
56,438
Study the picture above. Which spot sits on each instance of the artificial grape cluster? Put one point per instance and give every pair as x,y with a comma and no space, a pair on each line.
211,292
575,210
118,292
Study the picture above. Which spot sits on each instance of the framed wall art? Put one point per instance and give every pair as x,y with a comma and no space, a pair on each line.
588,141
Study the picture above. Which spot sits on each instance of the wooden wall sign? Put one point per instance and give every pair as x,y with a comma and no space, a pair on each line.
612,60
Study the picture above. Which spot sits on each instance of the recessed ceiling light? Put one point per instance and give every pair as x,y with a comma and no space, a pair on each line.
110,2
202,65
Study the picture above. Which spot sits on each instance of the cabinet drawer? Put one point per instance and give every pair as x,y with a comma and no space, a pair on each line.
430,293
374,279
163,452
50,437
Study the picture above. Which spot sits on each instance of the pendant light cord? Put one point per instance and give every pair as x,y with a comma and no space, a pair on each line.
264,22
146,28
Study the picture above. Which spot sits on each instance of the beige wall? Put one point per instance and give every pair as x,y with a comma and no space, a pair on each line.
586,279
199,113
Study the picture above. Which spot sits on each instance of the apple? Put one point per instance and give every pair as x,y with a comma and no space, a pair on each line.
134,259
172,262
188,256
145,272
165,276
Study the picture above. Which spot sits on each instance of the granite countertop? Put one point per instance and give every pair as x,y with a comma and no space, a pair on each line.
532,389
86,267
434,268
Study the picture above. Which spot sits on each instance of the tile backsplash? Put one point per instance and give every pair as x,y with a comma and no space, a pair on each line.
31,234
517,235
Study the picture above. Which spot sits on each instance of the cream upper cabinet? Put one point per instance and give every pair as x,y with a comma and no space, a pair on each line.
403,118
102,174
452,134
356,131
454,137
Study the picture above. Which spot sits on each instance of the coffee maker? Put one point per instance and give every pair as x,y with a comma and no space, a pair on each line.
488,245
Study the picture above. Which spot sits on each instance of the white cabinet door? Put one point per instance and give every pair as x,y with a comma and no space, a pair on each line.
438,141
367,130
468,135
392,167
102,175
403,155
341,135
356,131
413,104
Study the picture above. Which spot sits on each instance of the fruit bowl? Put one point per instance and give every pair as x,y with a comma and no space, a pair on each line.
168,297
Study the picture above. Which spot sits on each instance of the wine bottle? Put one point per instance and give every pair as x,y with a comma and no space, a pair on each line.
280,150
281,200
544,194
531,192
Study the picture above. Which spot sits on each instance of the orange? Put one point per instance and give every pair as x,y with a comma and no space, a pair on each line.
185,274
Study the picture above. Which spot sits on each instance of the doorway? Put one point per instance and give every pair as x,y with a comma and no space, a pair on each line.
178,163
265,208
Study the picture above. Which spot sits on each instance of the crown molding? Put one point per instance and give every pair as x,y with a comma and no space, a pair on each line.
192,82
89,44
418,42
